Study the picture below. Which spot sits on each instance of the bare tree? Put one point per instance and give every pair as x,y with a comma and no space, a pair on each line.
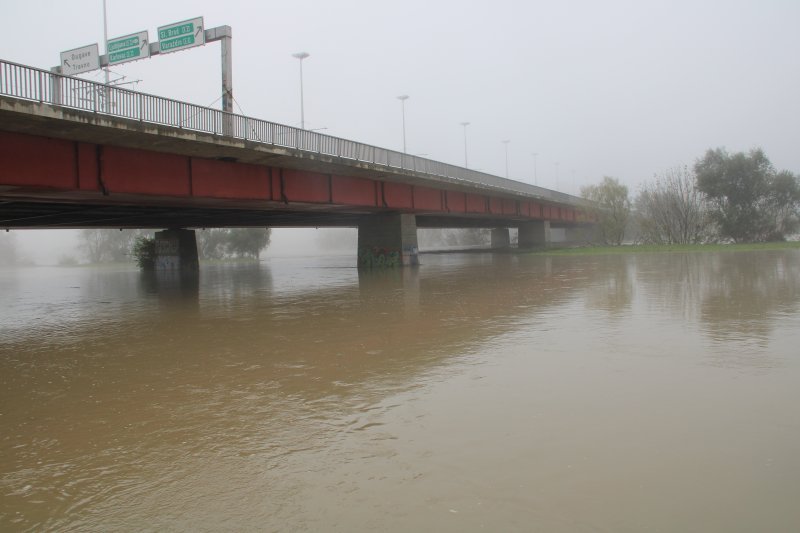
613,208
672,210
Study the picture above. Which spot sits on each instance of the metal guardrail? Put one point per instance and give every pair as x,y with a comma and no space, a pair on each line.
24,82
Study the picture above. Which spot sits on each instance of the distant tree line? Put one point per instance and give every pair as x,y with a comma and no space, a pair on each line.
107,245
736,197
222,243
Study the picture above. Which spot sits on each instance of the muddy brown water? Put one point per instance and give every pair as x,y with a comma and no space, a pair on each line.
478,392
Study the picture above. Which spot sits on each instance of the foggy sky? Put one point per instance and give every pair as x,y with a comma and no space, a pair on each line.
619,88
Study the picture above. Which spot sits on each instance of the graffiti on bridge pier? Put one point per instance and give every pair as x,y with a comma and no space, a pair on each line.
375,257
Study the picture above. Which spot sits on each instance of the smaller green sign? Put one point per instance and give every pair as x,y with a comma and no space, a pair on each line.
181,35
128,48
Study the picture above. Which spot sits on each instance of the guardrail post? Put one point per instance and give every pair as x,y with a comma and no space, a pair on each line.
55,85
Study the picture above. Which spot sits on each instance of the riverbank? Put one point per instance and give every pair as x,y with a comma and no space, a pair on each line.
662,248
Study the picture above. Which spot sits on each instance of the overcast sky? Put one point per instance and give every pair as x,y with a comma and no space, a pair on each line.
619,88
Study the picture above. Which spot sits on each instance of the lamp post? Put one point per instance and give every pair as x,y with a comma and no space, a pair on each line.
465,124
301,56
403,98
506,143
106,93
535,177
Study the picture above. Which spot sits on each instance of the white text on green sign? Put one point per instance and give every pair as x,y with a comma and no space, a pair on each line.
128,48
180,35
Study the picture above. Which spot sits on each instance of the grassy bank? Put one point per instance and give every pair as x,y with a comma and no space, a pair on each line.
656,248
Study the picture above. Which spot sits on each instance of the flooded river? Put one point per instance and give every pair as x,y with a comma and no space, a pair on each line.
477,392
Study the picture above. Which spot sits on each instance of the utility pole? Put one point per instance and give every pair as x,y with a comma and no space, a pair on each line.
403,98
301,56
465,124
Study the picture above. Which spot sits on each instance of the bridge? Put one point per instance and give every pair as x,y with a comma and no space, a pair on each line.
80,154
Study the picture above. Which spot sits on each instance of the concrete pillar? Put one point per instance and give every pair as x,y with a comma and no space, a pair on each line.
388,241
500,238
583,234
176,250
534,233
575,235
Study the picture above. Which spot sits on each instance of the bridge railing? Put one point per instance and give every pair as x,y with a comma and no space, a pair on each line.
21,81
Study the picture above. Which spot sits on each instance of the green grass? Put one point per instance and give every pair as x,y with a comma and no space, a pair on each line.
662,248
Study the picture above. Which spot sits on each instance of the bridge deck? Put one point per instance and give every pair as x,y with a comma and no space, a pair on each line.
121,158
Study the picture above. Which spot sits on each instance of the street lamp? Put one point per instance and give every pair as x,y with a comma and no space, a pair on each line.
301,56
506,143
403,98
465,124
535,178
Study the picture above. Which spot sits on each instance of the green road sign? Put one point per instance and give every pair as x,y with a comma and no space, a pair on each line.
128,48
181,35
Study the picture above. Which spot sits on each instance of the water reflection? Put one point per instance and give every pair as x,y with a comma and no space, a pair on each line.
233,400
745,293
612,288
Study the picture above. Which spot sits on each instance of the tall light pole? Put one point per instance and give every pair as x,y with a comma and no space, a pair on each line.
465,124
403,98
105,36
535,177
106,93
301,56
506,143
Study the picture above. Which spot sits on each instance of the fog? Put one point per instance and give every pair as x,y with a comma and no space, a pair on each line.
620,88
48,247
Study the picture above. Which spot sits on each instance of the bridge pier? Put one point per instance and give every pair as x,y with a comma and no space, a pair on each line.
500,238
176,250
534,233
388,241
582,235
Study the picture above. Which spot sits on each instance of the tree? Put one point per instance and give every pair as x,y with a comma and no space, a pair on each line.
105,245
750,201
672,210
211,243
784,200
218,243
144,250
247,241
613,208
93,243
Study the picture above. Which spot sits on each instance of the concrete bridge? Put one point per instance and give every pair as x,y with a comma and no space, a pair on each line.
78,154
